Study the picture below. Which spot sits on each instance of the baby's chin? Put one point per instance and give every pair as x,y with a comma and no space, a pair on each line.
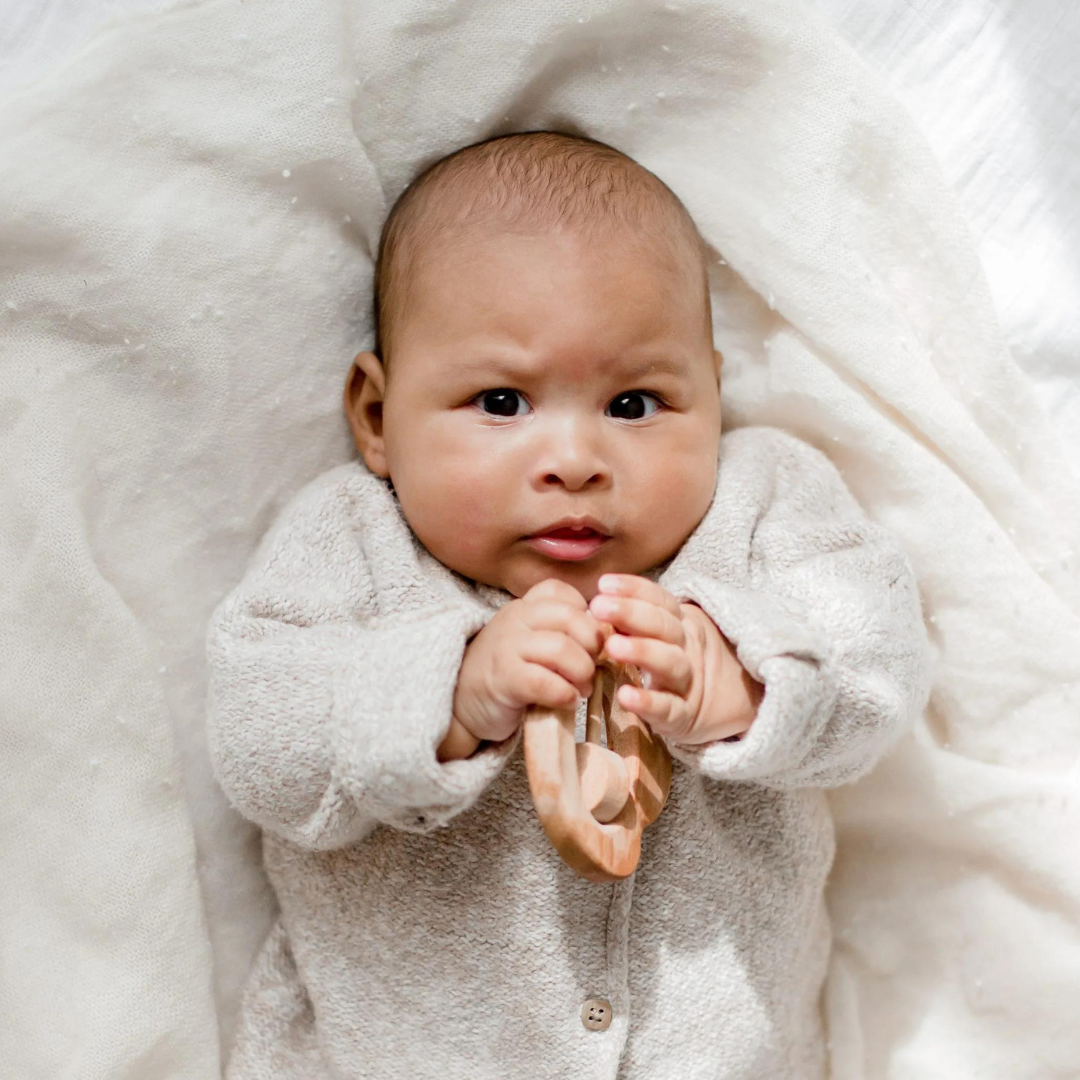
518,568
519,577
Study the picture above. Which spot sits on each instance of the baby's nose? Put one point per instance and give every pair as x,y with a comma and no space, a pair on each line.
575,463
573,479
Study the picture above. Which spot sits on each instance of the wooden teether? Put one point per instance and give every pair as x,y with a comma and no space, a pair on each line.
594,801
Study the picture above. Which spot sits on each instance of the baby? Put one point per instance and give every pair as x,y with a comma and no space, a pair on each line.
544,480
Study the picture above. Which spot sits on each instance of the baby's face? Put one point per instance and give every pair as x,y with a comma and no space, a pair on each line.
523,391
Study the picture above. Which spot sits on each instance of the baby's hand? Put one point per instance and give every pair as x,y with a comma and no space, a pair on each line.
694,688
540,649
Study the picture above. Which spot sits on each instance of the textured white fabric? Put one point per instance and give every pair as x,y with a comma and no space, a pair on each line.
992,85
142,194
332,671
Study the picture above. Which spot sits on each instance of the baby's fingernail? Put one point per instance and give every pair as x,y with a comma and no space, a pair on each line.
610,583
602,606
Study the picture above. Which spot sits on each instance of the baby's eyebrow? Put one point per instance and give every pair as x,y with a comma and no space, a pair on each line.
655,365
660,364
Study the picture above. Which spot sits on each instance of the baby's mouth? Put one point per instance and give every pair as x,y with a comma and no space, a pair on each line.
567,544
571,534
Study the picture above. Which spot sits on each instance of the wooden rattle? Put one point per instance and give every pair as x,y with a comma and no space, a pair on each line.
594,801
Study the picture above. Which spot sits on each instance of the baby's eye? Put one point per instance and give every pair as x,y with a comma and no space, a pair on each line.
629,402
501,401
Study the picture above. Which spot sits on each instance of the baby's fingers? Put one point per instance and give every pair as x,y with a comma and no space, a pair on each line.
666,714
542,686
561,654
578,625
640,618
667,665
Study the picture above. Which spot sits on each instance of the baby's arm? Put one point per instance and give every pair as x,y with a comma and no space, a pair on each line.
459,743
325,712
823,610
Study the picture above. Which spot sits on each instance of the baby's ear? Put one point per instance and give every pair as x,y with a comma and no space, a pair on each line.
363,400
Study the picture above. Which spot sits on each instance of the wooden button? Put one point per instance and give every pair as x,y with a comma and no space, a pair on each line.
596,1014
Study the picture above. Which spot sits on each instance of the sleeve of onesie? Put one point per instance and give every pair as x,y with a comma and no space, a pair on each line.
827,617
322,720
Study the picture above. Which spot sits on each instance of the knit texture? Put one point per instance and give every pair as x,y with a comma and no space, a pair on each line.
427,927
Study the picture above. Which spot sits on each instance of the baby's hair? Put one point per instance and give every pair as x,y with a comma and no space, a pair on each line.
531,180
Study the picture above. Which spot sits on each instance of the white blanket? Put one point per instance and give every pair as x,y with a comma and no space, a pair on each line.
189,210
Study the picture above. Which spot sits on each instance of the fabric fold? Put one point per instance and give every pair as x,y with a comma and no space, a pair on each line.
323,721
823,610
409,671
320,733
787,657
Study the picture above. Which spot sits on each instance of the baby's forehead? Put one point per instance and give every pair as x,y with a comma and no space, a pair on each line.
508,269
663,246
539,183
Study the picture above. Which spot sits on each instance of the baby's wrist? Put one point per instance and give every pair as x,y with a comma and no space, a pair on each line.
459,742
732,695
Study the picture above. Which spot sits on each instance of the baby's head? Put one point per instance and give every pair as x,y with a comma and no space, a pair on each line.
543,351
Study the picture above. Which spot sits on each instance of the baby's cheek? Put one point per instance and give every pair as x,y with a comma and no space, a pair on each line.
473,510
459,518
